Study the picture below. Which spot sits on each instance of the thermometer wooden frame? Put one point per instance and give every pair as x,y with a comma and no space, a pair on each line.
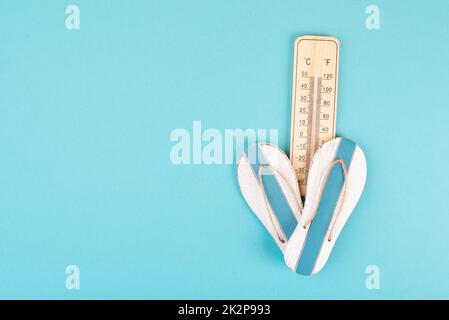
314,100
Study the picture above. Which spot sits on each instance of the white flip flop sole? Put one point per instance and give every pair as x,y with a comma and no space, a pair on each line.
268,183
335,183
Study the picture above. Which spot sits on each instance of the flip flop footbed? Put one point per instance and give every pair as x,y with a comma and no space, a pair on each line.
335,183
268,183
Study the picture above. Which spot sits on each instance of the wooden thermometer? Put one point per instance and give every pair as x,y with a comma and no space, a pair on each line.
314,101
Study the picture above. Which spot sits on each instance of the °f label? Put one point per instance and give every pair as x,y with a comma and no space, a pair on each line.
314,100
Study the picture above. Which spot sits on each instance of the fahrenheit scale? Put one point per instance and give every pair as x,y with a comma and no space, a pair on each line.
314,101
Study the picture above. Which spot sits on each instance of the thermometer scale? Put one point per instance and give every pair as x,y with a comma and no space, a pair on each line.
314,100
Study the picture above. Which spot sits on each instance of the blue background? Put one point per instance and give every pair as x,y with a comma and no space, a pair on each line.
86,177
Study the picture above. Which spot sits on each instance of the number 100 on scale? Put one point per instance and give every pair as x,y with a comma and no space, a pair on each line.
314,100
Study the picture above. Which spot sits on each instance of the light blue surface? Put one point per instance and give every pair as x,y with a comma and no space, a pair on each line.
86,178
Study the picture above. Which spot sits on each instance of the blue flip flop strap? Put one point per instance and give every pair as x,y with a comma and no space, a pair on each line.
275,195
319,227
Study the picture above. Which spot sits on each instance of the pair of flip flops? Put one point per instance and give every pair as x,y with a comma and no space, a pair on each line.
305,233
